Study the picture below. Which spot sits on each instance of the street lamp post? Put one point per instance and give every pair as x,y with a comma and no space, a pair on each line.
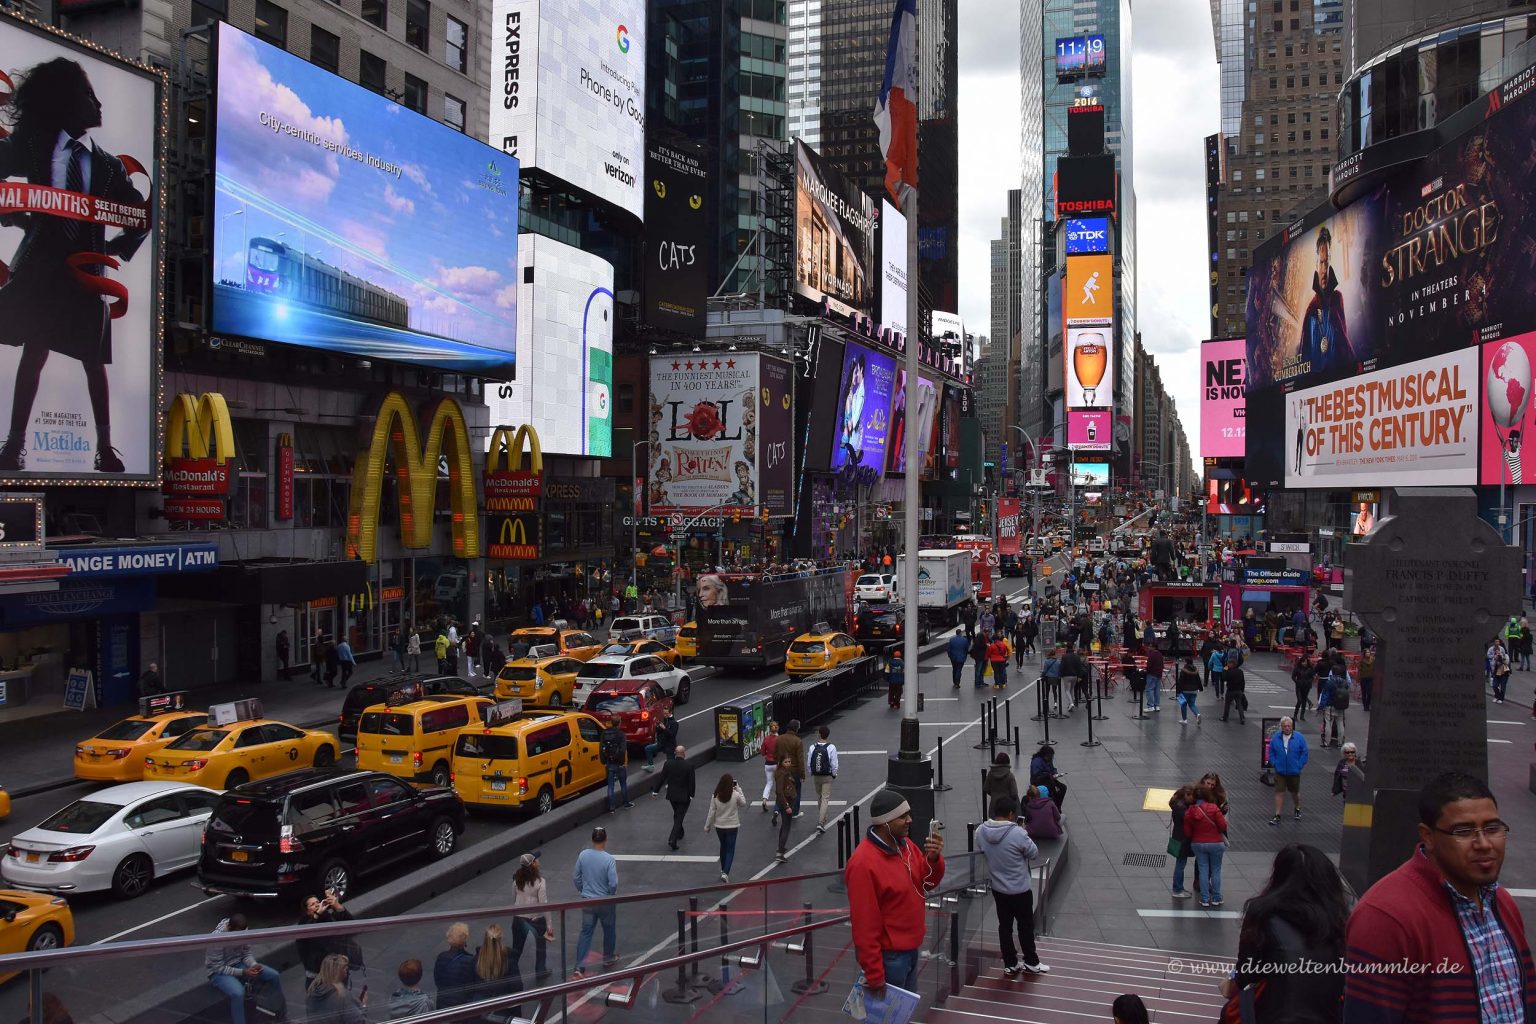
635,508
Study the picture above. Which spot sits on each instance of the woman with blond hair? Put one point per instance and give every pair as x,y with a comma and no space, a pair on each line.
327,1000
454,972
496,971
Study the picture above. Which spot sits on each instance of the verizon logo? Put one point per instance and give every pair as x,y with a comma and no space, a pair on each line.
615,171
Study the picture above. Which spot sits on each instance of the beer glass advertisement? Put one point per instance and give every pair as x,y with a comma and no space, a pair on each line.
677,257
776,436
1408,426
339,220
863,409
80,303
1089,370
704,421
1222,412
834,237
1506,415
1089,430
1430,261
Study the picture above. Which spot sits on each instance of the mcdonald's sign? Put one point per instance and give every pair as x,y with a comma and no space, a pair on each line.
396,434
509,487
199,457
517,538
284,476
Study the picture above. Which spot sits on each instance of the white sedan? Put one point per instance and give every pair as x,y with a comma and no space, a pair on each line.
120,838
641,666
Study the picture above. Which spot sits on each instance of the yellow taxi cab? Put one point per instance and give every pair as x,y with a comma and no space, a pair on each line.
687,645
634,648
412,739
547,681
820,650
573,643
5,803
33,921
1057,543
527,759
238,745
116,754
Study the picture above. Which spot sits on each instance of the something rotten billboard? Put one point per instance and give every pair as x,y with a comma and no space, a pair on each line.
1222,411
339,220
720,433
863,409
78,252
676,239
834,237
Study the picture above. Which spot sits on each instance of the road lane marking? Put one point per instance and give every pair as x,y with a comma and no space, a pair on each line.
1232,915
162,917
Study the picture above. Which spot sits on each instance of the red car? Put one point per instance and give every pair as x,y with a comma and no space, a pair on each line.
638,705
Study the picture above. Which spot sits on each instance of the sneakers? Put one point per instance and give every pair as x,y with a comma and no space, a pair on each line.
1037,968
1183,721
821,830
578,974
1204,902
799,814
724,877
774,821
781,857
1197,718
628,804
1275,820
1217,903
1297,816
648,767
1013,970
1182,894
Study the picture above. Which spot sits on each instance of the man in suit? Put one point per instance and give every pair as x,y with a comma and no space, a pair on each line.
677,779
52,298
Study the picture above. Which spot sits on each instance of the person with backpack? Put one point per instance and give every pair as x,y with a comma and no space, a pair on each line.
1337,691
1236,685
823,765
440,648
613,751
958,649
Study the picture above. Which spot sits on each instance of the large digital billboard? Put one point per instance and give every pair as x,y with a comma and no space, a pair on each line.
568,92
78,261
677,251
1085,185
1087,236
1507,454
1089,296
863,408
1090,474
343,221
1222,411
1410,425
721,428
896,447
1090,430
834,237
1090,372
564,380
893,269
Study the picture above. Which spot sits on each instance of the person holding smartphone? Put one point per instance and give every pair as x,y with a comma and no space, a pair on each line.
327,1001
889,878
312,952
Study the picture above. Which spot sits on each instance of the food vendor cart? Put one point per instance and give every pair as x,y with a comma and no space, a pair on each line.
1192,605
1283,590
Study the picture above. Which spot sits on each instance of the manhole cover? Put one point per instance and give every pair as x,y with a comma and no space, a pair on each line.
1144,860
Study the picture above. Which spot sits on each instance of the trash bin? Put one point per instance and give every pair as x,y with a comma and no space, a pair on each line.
740,726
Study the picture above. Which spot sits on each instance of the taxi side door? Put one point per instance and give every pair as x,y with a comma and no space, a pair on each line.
287,748
249,751
586,759
561,678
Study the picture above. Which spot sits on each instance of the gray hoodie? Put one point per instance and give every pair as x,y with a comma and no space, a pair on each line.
408,1002
1008,850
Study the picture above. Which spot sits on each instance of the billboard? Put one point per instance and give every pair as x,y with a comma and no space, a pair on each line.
1090,474
893,269
79,252
1008,526
1505,417
863,408
1090,373
896,448
1077,56
721,428
337,227
1085,127
834,237
568,92
1087,236
949,429
1085,184
1222,411
562,390
677,255
1090,430
1089,294
1412,425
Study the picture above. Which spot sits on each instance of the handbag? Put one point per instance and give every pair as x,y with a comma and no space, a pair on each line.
1175,846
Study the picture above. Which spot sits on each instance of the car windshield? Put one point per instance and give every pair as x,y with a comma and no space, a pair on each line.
808,647
385,723
603,670
618,703
490,746
81,818
201,739
127,729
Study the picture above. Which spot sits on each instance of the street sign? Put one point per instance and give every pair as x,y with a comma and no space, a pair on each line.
992,559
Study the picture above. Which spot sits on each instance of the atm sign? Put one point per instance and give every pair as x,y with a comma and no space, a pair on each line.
1087,236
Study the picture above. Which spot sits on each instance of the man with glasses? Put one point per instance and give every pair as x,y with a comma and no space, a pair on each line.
1438,939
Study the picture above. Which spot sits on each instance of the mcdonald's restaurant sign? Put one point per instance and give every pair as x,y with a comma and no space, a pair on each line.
517,537
396,434
284,476
509,485
199,457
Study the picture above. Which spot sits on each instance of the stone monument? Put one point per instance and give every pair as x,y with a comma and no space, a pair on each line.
1435,583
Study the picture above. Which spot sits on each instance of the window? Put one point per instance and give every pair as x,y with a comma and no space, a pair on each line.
1258,174
324,49
456,44
197,802
415,94
310,808
370,71
180,726
155,812
376,12
455,716
251,737
549,739
589,729
271,23
418,21
453,112
276,732
384,791
353,798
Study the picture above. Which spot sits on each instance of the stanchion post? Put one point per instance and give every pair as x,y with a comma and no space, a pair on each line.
855,833
941,786
808,985
1046,721
983,793
1007,719
682,992
986,707
1042,703
1090,741
1016,742
1096,696
1141,696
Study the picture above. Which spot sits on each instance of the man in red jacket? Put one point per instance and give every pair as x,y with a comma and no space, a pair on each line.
888,880
1444,916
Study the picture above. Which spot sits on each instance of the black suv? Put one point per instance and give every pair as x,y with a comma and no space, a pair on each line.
1010,565
320,828
883,623
366,695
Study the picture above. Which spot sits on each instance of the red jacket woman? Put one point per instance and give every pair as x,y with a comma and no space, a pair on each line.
1204,823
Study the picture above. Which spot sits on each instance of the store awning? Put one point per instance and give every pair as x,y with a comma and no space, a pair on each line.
270,581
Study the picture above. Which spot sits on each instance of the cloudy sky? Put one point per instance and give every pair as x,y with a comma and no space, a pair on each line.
1175,106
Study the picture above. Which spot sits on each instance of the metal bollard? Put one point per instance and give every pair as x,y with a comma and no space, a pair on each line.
855,833
1016,753
844,851
941,786
985,718
1007,720
1042,705
681,992
1097,695
1090,741
1141,696
983,793
808,985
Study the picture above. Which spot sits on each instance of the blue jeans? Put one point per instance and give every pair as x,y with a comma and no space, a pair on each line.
608,916
900,968
1208,861
1186,705
727,848
981,669
522,928
799,785
234,988
1000,673
650,752
620,774
1178,873
1154,692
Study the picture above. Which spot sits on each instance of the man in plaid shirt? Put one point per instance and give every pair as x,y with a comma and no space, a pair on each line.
1438,939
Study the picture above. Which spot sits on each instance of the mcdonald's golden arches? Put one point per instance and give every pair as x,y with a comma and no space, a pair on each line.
508,486
517,538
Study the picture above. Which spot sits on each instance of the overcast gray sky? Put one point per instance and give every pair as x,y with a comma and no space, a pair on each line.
1175,105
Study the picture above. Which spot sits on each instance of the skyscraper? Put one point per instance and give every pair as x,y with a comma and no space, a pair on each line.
804,96
1032,180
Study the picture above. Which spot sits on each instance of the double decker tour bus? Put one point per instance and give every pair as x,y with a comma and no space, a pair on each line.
748,620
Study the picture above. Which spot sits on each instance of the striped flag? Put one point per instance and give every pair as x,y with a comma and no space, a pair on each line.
896,113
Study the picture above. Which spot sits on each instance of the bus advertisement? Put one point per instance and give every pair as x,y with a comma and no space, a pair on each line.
749,620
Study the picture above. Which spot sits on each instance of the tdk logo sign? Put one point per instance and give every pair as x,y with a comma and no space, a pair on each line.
1088,236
